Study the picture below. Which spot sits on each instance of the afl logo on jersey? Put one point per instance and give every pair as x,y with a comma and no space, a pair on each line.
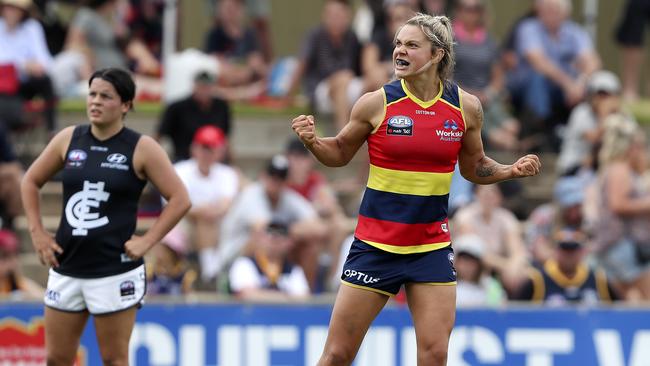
400,126
76,159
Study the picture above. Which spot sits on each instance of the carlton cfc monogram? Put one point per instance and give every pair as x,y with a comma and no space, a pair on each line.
77,210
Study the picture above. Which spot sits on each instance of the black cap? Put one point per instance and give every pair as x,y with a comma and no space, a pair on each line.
278,227
204,76
295,146
278,167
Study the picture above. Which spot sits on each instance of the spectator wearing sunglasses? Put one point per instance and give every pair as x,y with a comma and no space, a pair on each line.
566,278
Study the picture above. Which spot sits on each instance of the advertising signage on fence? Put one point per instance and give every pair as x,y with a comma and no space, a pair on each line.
264,335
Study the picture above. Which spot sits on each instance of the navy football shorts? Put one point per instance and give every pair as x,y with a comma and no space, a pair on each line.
384,272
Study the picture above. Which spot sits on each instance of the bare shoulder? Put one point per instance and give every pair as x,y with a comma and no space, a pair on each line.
472,109
148,147
61,140
369,108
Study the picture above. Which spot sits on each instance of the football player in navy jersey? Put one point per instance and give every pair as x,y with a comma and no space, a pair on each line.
95,260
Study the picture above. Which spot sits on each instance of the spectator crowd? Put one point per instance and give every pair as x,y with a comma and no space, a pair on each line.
283,234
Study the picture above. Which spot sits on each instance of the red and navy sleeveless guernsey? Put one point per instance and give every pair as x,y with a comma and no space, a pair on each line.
100,202
412,157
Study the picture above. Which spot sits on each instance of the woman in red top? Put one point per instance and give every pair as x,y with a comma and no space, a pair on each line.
416,128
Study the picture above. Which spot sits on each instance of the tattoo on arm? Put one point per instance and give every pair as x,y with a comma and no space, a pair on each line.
485,171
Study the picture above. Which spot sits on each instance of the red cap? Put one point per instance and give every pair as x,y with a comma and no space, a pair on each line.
209,136
8,241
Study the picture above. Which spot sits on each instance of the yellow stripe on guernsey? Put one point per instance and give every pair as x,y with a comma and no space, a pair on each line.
408,182
411,249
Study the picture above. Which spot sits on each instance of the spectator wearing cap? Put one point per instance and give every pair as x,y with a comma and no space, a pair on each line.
212,187
313,186
475,286
585,126
566,211
566,278
505,252
621,230
12,282
181,119
270,200
25,58
265,273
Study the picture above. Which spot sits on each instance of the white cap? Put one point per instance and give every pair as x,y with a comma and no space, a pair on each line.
471,244
605,81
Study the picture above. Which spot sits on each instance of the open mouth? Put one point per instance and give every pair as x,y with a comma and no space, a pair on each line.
401,63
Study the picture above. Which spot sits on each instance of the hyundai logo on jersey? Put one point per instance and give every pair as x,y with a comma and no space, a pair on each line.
400,126
115,161
116,158
76,159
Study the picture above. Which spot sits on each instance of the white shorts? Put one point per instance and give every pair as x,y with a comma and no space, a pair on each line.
97,295
322,95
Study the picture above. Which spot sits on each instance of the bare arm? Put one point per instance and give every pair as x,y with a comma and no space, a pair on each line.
475,166
338,151
619,186
588,62
44,167
543,65
151,162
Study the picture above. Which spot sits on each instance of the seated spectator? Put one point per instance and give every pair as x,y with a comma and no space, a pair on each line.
145,23
98,38
585,128
168,272
242,67
621,231
313,186
270,200
566,211
212,187
479,72
329,64
377,54
259,13
267,274
25,58
566,278
505,252
556,56
181,119
12,282
475,286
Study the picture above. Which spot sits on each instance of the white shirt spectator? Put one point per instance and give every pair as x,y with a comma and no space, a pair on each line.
253,207
575,147
26,43
222,182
